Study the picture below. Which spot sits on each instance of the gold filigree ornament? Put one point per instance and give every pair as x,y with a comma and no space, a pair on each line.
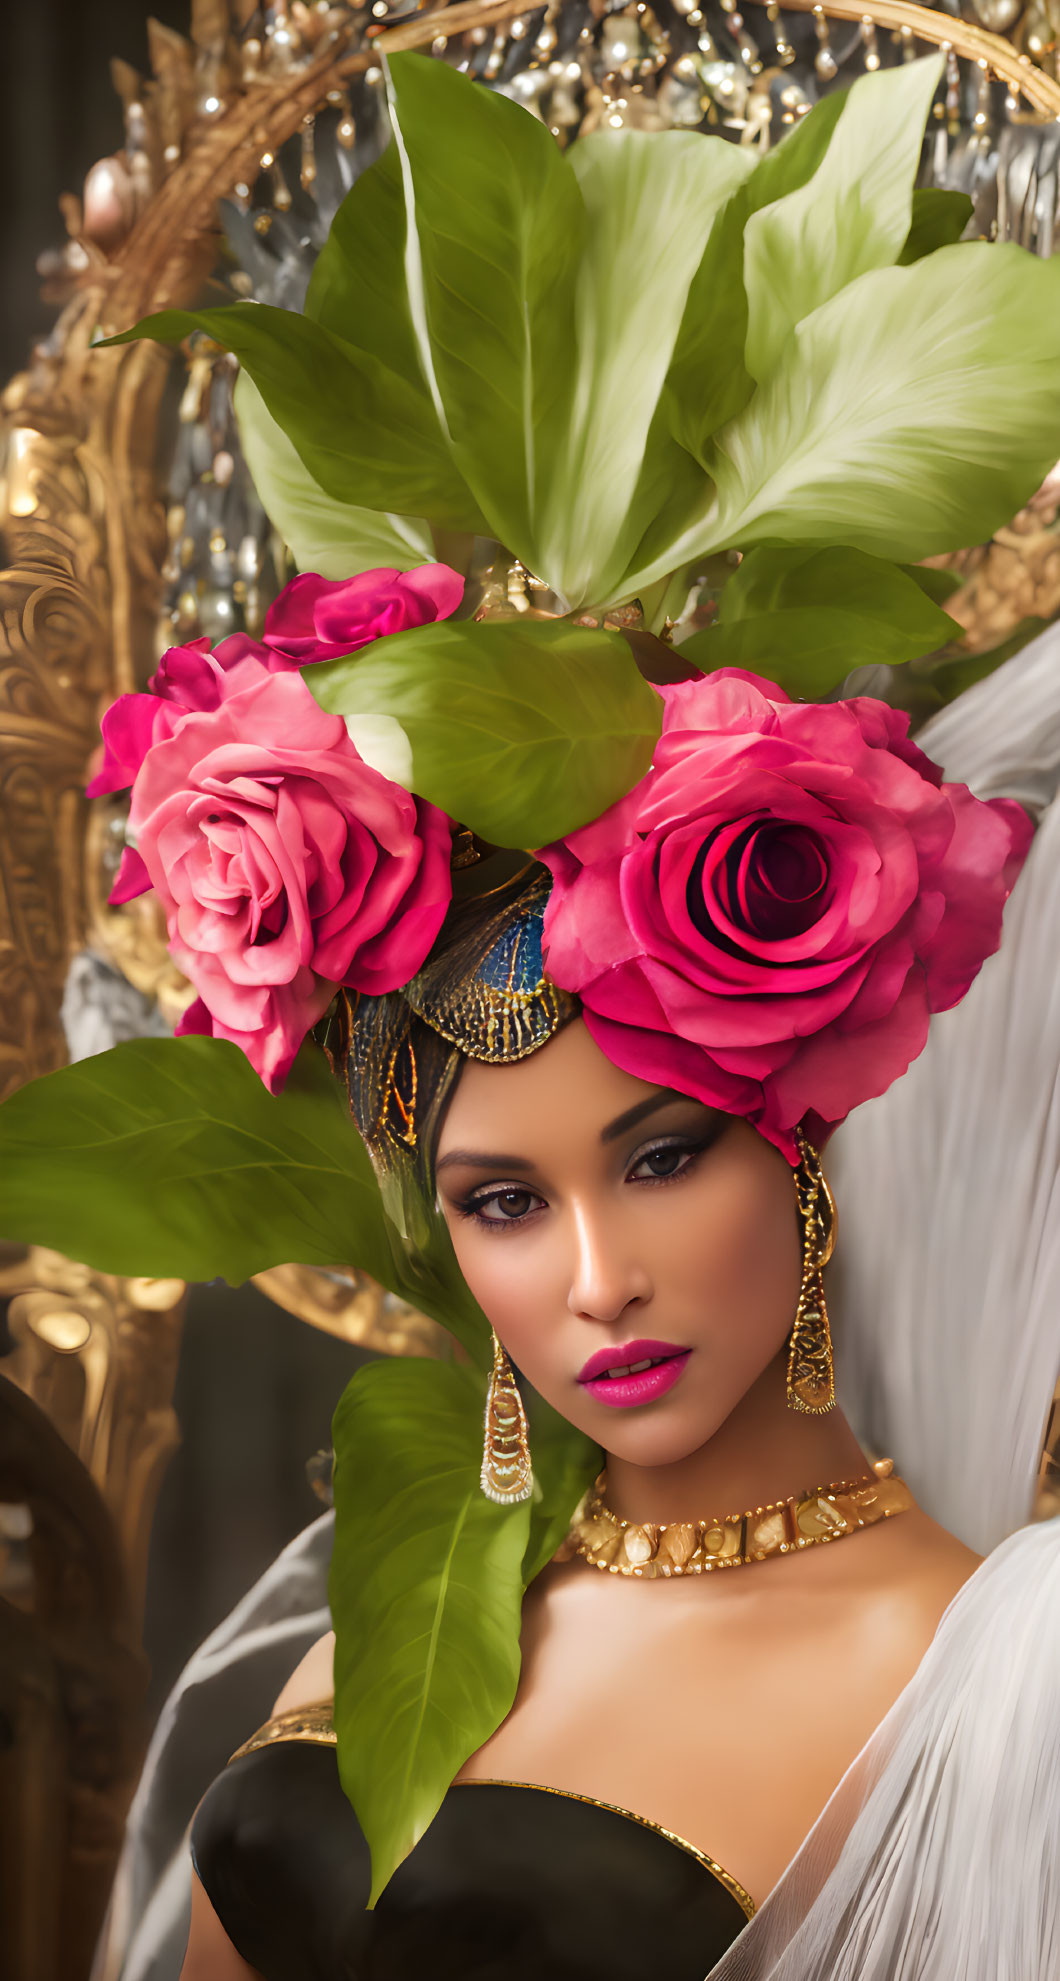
507,1475
696,1547
811,1380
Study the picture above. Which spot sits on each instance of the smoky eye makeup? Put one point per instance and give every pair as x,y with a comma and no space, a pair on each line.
513,1203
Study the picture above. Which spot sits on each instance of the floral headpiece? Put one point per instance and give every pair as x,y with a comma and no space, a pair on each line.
696,409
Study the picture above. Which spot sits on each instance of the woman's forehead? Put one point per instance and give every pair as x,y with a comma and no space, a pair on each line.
568,1084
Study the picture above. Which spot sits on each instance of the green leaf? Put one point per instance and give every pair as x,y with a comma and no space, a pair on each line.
913,414
495,226
335,539
851,216
939,219
939,585
522,730
708,381
170,1158
650,206
566,1463
365,434
357,289
805,618
426,1589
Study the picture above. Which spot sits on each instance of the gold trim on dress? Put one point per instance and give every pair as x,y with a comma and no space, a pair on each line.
314,1725
718,1871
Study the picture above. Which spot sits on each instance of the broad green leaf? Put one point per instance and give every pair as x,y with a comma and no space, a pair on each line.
494,231
365,433
335,539
169,1158
522,730
650,206
566,1463
852,216
426,1589
708,381
939,219
913,414
939,584
806,618
357,289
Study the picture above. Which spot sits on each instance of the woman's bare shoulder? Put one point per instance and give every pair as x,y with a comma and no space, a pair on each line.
312,1680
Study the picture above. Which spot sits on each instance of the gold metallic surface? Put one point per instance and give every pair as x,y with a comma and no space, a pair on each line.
98,1355
942,31
624,1547
313,1724
811,1378
352,1307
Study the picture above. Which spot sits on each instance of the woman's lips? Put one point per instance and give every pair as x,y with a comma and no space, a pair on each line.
634,1372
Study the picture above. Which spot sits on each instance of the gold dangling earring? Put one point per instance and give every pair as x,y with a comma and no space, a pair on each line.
507,1476
811,1383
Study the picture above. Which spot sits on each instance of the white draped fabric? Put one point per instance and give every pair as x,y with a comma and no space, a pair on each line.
938,1856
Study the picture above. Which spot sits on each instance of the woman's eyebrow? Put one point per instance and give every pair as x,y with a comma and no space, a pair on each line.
665,1098
475,1160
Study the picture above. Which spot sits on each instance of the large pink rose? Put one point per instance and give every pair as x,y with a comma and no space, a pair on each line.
187,678
286,865
314,619
770,918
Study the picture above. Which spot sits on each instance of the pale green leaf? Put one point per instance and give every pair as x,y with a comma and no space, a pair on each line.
335,539
913,414
426,1589
522,730
651,205
494,231
852,216
708,381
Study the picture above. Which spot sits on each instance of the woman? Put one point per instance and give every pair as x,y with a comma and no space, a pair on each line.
617,1213
612,1079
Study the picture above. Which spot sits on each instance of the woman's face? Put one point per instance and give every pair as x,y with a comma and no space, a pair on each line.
602,1223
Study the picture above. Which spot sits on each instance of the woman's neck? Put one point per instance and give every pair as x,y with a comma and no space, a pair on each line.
763,1452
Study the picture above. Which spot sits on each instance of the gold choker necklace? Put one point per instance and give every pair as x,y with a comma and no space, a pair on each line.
686,1547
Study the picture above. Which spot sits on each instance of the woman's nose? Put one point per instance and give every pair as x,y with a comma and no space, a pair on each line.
605,1277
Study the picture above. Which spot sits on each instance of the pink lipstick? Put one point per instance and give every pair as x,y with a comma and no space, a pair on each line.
633,1372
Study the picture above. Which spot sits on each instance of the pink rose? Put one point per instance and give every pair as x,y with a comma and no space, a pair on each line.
190,677
285,864
769,918
312,619
315,620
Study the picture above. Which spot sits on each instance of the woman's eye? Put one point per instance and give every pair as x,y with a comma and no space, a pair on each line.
661,1163
503,1206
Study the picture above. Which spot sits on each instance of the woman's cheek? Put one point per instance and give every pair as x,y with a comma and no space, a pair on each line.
515,1294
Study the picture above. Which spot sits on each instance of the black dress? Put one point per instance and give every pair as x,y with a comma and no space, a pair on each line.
509,1883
